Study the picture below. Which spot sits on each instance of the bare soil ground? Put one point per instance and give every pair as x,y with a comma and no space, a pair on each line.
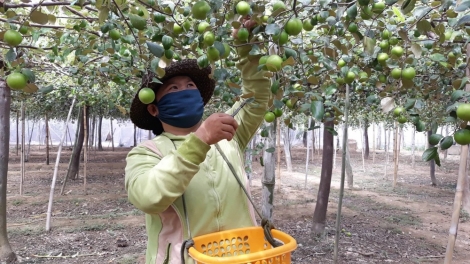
408,224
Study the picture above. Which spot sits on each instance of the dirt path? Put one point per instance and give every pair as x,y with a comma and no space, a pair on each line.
381,225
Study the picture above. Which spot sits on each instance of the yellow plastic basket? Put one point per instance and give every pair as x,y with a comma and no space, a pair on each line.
242,246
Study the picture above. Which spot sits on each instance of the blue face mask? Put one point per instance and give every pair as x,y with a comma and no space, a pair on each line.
183,109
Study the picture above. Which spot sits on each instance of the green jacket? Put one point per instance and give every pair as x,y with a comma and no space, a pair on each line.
160,171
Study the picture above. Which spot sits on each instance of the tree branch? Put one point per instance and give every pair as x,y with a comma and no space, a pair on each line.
79,14
12,6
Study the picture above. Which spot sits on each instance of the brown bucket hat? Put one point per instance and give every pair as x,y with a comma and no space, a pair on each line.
188,67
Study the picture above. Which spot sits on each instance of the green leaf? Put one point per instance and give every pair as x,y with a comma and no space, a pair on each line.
369,45
423,26
429,154
464,5
446,142
318,110
46,90
255,50
29,74
437,57
456,95
390,2
272,29
437,160
154,64
275,86
155,49
103,14
11,55
220,47
408,6
420,11
270,150
463,20
332,131
410,103
39,17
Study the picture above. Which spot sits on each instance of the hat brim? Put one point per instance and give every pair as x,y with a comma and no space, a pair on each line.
139,114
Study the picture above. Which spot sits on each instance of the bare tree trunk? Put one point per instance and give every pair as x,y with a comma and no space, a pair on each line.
91,136
85,150
319,215
100,123
74,164
374,143
349,171
23,128
47,139
6,253
17,131
366,139
432,165
112,133
56,169
287,153
269,178
396,144
413,140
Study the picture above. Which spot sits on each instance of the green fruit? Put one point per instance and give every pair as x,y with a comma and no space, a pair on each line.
408,73
462,136
278,4
396,73
200,10
169,54
12,38
384,45
366,13
378,7
243,8
263,60
159,18
398,111
186,25
434,139
307,26
448,35
363,2
138,22
382,58
177,29
363,76
339,80
213,54
16,81
341,63
269,117
114,34
417,34
209,38
397,51
393,41
243,34
277,112
350,76
23,30
282,38
227,51
463,112
289,104
274,63
386,34
202,26
402,119
293,27
382,78
167,42
146,95
353,27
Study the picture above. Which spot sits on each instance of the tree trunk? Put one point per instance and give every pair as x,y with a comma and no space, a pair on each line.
304,138
86,124
6,253
432,165
319,215
287,153
23,132
17,131
413,139
269,178
29,142
366,139
349,171
47,139
396,155
91,136
74,165
112,133
100,123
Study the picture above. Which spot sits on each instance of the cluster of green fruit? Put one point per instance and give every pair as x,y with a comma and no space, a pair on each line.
462,136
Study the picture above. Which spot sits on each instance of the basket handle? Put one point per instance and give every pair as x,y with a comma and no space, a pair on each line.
265,223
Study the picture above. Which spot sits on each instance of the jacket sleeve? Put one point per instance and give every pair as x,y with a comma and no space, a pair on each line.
252,114
154,183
